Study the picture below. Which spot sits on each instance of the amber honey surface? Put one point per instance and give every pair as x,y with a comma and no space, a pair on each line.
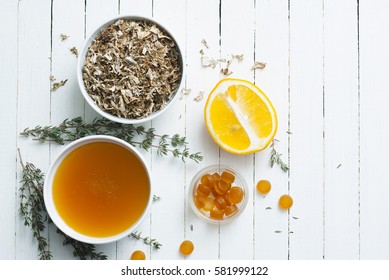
101,189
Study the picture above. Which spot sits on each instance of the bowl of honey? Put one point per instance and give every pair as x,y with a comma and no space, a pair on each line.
98,189
218,194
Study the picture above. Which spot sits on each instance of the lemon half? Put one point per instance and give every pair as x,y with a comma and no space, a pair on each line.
240,117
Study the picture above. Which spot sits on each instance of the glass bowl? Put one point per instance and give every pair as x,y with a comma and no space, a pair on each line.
228,213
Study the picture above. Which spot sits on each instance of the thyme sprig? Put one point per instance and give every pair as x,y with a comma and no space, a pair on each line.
34,213
82,250
147,240
275,157
73,129
32,207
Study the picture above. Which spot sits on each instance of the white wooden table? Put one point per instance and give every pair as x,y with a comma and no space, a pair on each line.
326,74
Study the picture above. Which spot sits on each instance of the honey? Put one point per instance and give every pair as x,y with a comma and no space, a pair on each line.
101,189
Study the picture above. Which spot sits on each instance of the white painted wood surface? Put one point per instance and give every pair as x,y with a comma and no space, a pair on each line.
326,74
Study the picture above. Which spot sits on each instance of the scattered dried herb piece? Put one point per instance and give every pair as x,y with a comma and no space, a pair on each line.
258,65
295,218
289,132
57,85
63,37
199,97
268,208
132,69
226,71
238,57
275,158
146,240
211,62
185,91
74,51
278,231
339,165
52,78
70,130
191,227
204,43
208,61
156,197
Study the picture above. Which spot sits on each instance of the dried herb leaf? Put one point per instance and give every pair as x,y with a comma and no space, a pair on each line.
226,71
204,43
258,65
199,97
238,57
208,61
57,85
74,51
132,69
185,91
63,37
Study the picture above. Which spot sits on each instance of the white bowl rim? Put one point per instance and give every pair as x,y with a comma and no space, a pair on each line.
49,202
80,64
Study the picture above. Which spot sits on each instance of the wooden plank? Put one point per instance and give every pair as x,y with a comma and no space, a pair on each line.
8,96
33,63
126,246
272,48
237,37
374,134
168,220
306,124
202,24
98,12
68,18
136,7
341,193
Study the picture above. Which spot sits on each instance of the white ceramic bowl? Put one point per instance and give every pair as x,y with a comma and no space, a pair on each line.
48,190
80,65
239,181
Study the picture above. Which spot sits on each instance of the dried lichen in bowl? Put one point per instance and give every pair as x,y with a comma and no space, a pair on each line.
130,70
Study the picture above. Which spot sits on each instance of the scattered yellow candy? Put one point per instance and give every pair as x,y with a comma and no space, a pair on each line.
186,247
263,186
285,201
138,255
